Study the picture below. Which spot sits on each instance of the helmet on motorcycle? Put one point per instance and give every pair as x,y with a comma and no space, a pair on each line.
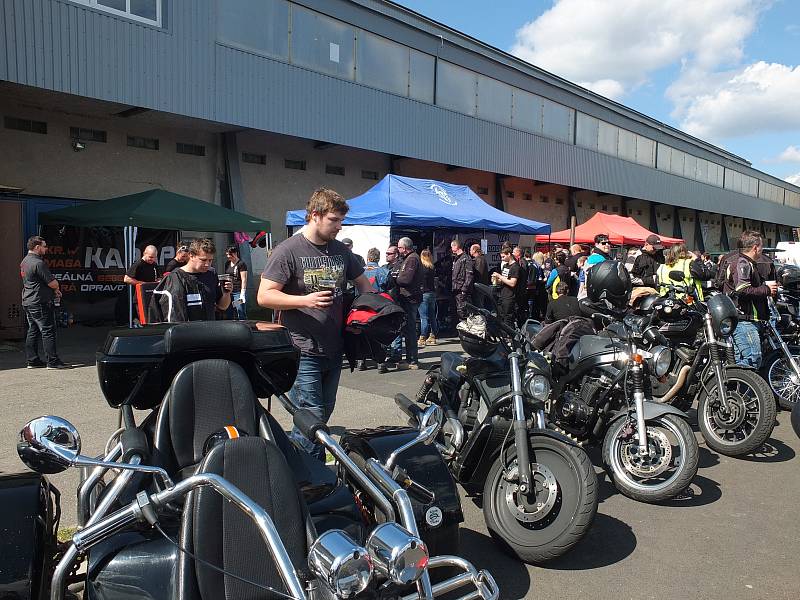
645,305
609,280
475,337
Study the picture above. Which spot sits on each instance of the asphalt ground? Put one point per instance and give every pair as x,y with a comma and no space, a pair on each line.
735,537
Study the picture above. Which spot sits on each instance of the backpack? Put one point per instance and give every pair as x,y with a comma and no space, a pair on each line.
723,269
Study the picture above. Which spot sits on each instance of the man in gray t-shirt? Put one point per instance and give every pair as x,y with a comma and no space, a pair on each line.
304,279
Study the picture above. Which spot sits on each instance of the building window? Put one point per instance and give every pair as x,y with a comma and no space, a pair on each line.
509,194
544,199
146,11
373,175
254,159
527,196
258,25
88,135
483,191
559,201
142,142
25,125
300,165
333,170
194,149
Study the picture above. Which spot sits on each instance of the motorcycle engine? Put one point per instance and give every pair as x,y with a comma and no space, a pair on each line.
578,408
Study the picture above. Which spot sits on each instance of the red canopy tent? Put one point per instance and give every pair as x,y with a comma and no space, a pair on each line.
620,230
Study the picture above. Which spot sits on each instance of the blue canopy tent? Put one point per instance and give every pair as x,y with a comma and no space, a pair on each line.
405,201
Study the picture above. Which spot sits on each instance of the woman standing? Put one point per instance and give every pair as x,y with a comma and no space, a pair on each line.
427,309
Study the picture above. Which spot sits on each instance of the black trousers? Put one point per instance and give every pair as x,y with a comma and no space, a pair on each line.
41,319
461,299
507,310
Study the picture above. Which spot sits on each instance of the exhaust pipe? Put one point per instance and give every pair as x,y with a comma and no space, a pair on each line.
672,392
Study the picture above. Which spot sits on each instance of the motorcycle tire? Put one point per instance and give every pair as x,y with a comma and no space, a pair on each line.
650,489
752,414
538,539
777,372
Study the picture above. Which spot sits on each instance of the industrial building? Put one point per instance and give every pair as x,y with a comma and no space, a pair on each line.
254,103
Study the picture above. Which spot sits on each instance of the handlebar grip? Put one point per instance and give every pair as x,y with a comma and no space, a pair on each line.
408,406
308,423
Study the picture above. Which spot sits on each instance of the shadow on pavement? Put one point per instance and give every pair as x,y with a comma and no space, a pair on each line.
701,492
707,458
773,451
483,552
609,541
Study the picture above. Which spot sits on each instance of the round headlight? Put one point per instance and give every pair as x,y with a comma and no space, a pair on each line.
661,361
397,554
727,325
538,387
340,563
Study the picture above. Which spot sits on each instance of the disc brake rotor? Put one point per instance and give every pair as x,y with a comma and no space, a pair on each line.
656,461
735,415
534,506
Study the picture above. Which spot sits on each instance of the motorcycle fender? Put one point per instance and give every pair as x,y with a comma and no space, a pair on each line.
28,543
653,410
424,464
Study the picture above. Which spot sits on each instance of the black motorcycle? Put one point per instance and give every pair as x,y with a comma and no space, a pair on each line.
209,465
736,422
539,488
599,396
780,365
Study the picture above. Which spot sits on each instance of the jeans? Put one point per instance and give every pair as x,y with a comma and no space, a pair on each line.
747,344
428,318
235,310
41,319
410,330
315,389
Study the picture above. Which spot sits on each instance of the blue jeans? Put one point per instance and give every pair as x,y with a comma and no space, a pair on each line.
41,320
235,310
747,344
315,389
427,315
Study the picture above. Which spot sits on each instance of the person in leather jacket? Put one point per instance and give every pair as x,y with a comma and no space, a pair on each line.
645,267
461,281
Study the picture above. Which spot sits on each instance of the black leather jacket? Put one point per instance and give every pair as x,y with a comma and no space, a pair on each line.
462,274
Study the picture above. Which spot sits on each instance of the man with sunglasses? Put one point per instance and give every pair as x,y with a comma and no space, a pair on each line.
181,258
601,250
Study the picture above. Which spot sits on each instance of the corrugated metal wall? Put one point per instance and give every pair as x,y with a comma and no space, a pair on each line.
59,45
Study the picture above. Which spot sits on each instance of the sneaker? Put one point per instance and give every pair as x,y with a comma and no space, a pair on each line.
383,367
36,364
58,365
431,341
413,366
402,365
421,342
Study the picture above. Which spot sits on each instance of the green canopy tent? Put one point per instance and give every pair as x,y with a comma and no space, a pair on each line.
153,209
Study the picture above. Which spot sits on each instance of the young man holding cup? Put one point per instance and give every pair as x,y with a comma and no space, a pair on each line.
304,279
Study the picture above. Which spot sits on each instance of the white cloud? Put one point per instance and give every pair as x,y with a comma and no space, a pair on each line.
791,154
758,98
611,46
794,179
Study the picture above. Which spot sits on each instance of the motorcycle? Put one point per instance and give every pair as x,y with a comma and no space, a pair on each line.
734,423
539,488
210,466
648,449
780,366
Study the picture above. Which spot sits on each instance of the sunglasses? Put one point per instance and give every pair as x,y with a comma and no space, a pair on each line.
605,243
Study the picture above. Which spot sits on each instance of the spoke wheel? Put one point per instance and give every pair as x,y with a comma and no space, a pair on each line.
783,381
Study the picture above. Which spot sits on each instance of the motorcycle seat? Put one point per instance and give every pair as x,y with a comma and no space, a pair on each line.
532,327
592,345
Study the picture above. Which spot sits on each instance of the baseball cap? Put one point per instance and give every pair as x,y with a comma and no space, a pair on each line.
600,238
654,241
347,241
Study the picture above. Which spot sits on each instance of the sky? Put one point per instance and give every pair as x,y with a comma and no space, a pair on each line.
726,71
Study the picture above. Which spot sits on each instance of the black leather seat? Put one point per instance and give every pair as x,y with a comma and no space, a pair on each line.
532,327
219,533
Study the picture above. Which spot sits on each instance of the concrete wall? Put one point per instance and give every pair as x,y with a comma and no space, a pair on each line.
47,165
272,189
587,203
687,221
664,220
639,210
547,203
734,228
711,227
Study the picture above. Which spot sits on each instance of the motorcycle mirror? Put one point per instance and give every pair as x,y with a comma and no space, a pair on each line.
433,415
49,444
676,276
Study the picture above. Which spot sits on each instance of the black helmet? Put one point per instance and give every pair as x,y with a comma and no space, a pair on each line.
609,280
475,337
645,305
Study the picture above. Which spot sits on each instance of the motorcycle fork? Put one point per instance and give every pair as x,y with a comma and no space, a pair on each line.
521,427
637,376
784,347
716,363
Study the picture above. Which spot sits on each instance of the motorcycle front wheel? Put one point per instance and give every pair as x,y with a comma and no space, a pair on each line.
669,466
750,417
545,524
781,378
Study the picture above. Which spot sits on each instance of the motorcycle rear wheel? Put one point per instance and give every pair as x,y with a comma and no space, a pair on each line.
652,488
778,374
751,418
548,535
